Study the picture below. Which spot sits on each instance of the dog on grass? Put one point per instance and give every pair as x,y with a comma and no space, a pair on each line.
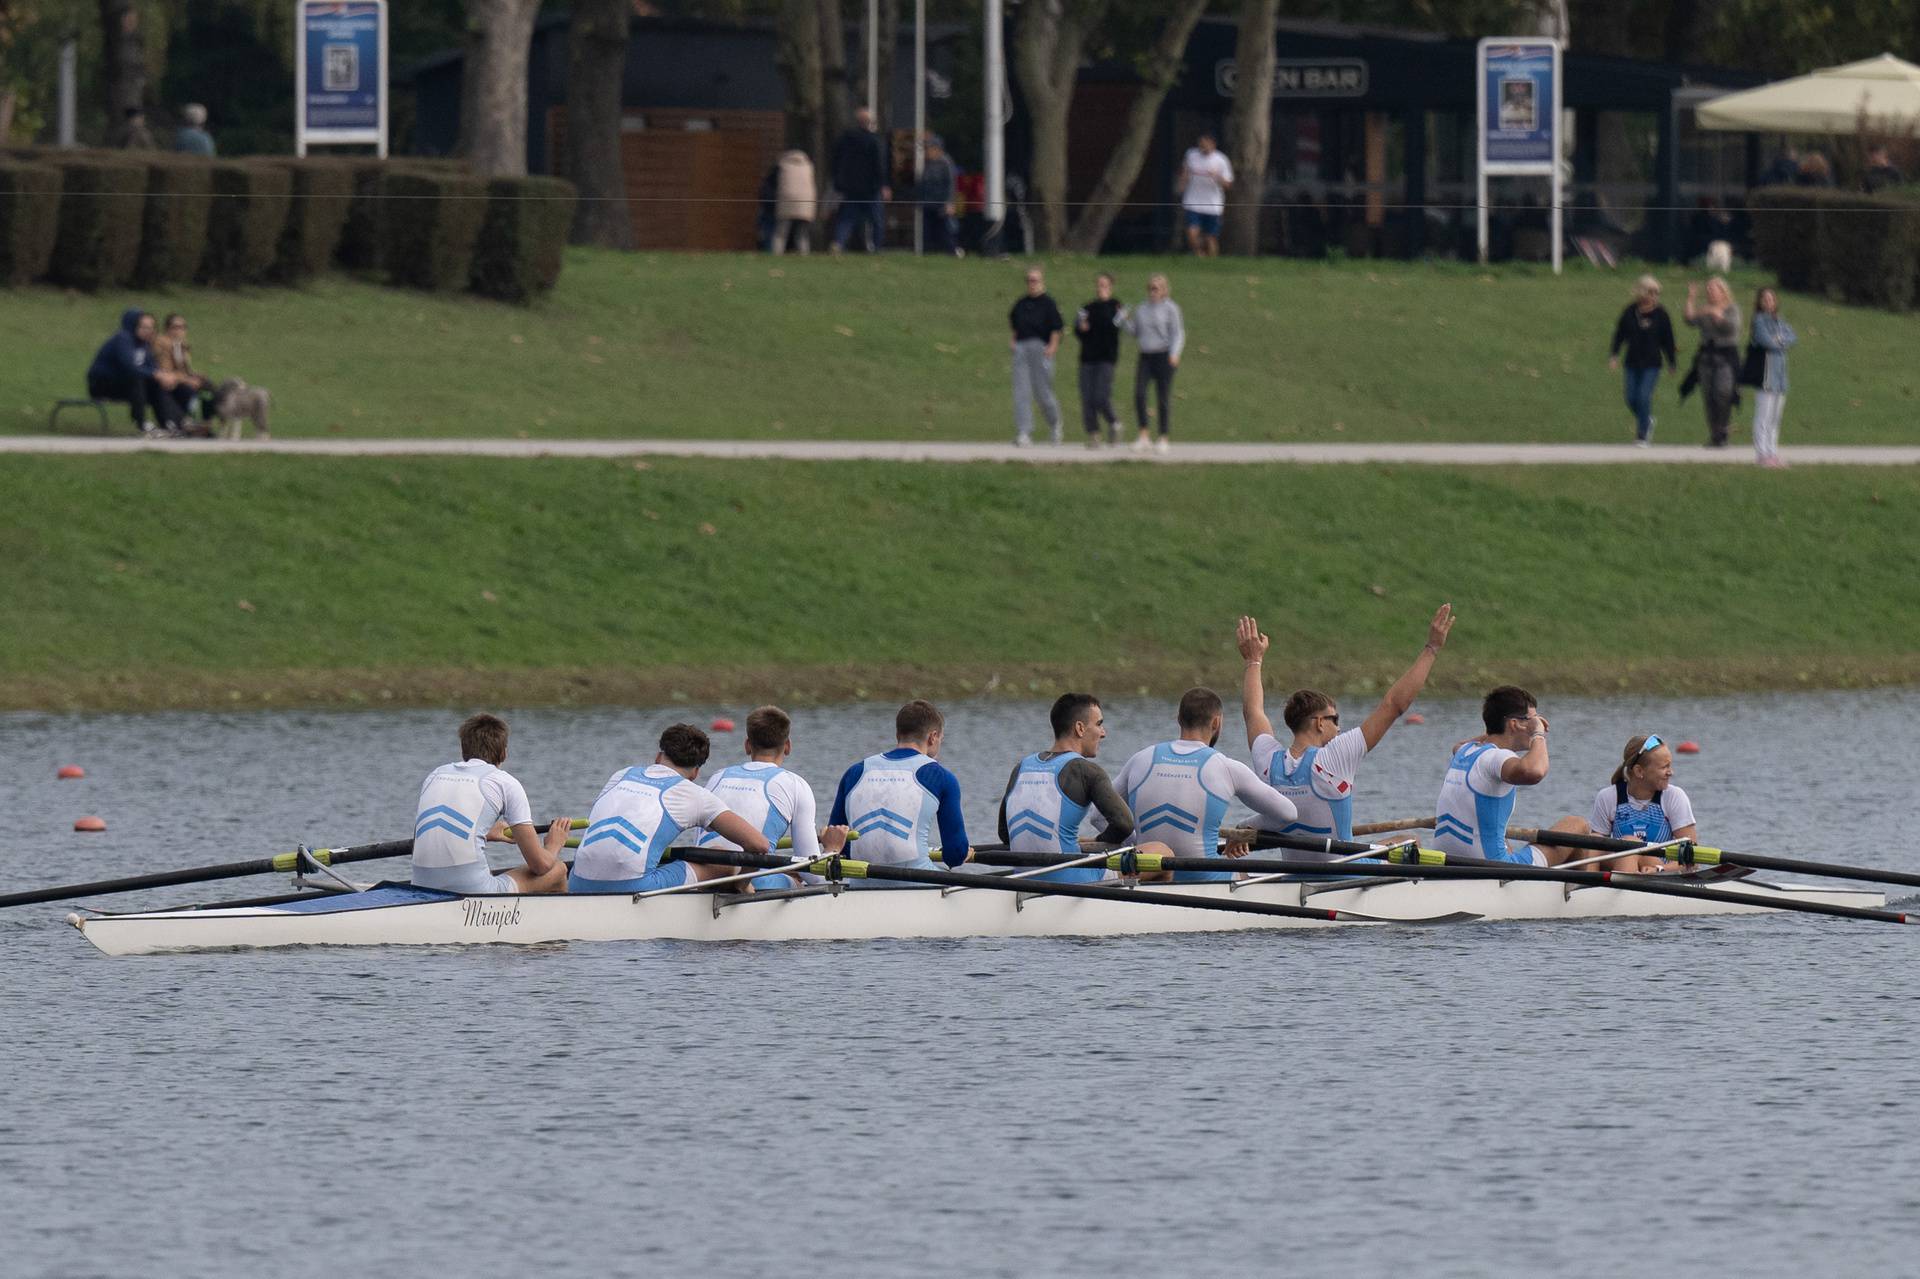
235,404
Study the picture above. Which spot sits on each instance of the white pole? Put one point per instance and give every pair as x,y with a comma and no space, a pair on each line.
873,57
994,91
69,74
919,114
300,78
384,89
1480,145
1559,128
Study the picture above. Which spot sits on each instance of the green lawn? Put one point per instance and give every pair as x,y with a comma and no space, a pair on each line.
725,346
152,581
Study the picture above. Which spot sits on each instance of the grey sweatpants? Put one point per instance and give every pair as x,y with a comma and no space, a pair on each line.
1033,380
1096,397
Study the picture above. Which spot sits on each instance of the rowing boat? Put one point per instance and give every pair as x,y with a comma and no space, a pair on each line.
401,915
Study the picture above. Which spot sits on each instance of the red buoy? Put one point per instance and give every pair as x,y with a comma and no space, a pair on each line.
1688,748
723,725
67,772
90,823
1415,717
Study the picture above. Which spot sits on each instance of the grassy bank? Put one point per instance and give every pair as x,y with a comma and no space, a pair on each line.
304,581
730,346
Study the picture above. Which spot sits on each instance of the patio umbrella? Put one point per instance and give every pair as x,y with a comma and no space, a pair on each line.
1827,101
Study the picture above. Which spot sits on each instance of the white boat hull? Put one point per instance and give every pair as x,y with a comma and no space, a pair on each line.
857,915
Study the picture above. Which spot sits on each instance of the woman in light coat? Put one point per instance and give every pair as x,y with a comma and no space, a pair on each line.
1773,335
795,201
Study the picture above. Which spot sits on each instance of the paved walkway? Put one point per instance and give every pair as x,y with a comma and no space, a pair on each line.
949,451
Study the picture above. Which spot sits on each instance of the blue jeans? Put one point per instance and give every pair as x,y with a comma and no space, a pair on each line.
1640,384
855,212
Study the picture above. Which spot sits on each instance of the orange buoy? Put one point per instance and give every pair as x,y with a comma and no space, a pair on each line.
723,725
67,772
90,823
1415,717
1688,748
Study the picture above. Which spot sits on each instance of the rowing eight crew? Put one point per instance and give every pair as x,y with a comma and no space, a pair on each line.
1169,798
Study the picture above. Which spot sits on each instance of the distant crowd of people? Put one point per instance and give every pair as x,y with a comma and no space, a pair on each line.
1644,334
190,138
1158,329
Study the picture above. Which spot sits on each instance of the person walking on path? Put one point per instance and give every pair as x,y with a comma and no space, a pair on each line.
860,176
1037,326
1772,335
795,203
1162,334
1205,175
1717,364
1646,331
1097,329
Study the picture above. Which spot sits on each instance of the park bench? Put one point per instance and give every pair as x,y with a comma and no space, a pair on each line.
60,406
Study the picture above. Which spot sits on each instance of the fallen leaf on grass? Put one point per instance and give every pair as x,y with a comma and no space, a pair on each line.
708,529
1380,591
652,515
643,466
591,358
489,597
244,606
517,340
776,274
944,349
843,330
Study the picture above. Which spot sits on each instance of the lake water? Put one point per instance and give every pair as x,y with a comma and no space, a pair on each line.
1734,1096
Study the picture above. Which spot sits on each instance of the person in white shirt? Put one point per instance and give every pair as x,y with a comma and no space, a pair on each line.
463,805
1477,794
1316,769
643,809
1180,790
1205,176
1642,803
773,798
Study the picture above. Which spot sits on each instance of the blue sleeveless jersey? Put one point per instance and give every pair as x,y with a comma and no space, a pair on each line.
1466,820
1173,805
629,829
1320,813
1648,823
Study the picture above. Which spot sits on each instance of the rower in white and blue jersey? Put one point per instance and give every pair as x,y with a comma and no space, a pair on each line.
1317,769
774,799
464,804
1643,803
1477,795
643,809
1052,794
903,802
1180,790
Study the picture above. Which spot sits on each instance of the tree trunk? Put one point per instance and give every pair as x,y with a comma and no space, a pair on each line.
493,86
1048,40
1250,126
835,99
123,50
889,48
1129,151
799,40
596,67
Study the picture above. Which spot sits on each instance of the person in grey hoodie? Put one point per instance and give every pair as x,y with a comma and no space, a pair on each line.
1157,326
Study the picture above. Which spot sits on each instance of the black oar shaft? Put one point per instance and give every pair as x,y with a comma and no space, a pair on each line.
1727,857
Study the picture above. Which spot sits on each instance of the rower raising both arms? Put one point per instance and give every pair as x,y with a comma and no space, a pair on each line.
463,805
1643,803
1317,768
1052,793
899,800
643,809
1477,795
1180,790
771,797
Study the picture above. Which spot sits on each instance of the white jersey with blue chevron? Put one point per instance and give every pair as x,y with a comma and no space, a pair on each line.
459,803
774,800
1180,791
1621,816
892,811
639,814
1476,803
1320,783
1040,817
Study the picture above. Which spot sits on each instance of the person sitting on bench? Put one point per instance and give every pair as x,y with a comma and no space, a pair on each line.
173,354
123,370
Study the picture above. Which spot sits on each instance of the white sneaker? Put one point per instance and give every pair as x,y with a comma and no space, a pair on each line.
1643,444
1141,444
1160,445
1021,441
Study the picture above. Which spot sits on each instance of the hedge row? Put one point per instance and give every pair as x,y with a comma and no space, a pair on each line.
1851,246
99,220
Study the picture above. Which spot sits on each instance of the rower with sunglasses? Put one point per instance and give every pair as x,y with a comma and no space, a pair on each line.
1642,802
1316,769
1477,795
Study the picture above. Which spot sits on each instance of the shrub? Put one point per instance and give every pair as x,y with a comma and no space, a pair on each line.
29,220
173,235
523,237
316,214
429,226
1784,232
1849,245
249,211
102,195
364,234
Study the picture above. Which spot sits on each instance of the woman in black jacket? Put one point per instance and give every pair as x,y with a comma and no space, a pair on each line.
1646,331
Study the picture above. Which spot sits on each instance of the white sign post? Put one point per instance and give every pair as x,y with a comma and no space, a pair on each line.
339,73
1517,119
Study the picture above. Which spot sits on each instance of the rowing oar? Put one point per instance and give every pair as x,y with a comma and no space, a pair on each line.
1252,834
851,869
1429,863
1700,856
279,863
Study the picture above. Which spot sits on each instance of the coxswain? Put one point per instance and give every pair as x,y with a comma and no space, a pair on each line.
463,805
903,802
1478,792
643,809
1643,803
1053,793
1180,790
772,798
1317,768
